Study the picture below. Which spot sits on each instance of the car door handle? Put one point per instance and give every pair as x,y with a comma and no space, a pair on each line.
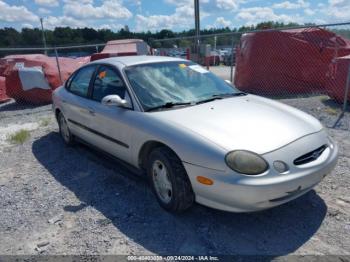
91,111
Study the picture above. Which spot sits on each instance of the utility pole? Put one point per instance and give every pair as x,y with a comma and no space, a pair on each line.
197,26
215,40
43,34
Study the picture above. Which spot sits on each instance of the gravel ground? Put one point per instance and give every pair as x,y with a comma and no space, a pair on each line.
60,200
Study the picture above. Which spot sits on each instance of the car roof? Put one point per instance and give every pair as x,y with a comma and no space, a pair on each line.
137,60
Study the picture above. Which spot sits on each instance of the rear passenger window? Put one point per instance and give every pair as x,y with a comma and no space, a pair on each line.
79,84
108,82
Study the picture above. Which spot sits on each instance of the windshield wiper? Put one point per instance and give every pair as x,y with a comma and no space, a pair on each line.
212,98
220,96
232,94
169,105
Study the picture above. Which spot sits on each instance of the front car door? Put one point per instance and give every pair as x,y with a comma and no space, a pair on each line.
76,103
111,123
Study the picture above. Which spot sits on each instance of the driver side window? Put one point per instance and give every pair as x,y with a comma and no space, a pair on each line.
108,82
79,84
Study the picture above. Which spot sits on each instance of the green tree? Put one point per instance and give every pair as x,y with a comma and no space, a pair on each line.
10,37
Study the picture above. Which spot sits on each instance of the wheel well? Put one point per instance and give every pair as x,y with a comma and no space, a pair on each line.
146,149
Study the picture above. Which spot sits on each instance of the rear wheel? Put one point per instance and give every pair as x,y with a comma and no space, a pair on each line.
64,130
169,180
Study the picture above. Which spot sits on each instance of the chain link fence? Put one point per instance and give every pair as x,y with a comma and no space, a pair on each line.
306,67
29,75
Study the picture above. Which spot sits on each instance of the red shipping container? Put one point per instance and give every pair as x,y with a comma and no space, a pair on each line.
32,78
3,97
287,62
126,47
337,78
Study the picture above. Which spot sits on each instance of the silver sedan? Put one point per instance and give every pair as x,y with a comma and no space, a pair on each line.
196,137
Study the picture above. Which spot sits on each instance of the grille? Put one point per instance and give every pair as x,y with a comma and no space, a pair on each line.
311,156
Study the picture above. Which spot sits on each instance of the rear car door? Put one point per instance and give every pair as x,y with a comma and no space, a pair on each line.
77,104
111,123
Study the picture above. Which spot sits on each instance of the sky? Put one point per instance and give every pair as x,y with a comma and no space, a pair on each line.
176,15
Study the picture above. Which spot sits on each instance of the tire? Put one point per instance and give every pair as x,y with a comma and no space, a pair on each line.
179,197
64,130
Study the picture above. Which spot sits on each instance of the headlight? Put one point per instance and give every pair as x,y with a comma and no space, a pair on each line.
246,162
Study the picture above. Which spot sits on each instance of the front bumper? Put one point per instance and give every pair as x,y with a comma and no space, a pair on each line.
240,193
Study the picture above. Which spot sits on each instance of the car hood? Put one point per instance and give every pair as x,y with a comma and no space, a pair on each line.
247,122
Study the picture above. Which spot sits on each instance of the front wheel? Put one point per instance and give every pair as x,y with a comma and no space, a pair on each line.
169,180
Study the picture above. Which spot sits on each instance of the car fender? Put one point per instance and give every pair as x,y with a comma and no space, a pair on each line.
190,147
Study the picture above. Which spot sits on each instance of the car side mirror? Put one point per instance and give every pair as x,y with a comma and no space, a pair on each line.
115,100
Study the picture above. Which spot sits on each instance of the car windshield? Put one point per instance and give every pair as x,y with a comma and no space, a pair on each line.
164,85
